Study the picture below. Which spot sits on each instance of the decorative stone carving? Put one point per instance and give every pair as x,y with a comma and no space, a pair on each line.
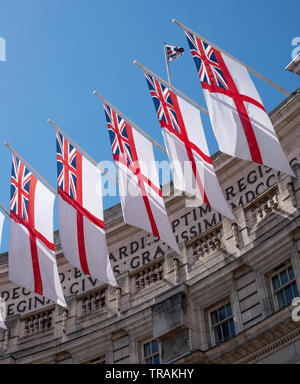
64,320
235,231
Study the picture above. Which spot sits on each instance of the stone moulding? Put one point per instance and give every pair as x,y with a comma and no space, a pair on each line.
271,348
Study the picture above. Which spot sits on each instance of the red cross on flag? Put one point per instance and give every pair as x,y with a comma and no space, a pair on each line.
186,145
140,193
80,212
31,257
240,122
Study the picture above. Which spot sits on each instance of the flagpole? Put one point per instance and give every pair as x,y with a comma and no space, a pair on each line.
30,167
4,210
131,122
196,105
167,64
286,93
94,162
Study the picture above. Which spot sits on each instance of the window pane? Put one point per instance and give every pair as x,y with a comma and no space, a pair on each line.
214,317
291,273
147,351
281,299
149,361
225,329
289,294
229,311
154,346
222,313
284,277
218,334
276,282
156,360
295,290
232,329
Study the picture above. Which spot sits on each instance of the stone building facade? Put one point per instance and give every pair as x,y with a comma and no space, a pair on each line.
227,298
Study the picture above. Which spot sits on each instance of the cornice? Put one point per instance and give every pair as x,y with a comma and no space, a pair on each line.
271,348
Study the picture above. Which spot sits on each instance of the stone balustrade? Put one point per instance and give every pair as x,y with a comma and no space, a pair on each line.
255,212
207,242
149,275
263,206
93,301
38,323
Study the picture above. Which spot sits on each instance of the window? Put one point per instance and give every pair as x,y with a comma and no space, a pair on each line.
222,325
151,352
284,286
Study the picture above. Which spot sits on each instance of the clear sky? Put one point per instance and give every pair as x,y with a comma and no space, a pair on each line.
59,51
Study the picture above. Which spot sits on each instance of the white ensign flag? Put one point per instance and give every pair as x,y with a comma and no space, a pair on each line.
141,197
186,145
80,213
31,257
240,122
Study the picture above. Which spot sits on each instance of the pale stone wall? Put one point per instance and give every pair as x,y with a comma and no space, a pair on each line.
168,296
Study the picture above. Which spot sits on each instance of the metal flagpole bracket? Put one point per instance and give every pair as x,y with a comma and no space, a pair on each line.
130,122
30,167
188,99
94,162
262,77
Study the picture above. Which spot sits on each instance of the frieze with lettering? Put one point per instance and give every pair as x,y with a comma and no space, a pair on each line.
138,250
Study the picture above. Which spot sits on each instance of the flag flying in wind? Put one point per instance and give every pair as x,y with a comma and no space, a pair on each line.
32,261
173,52
80,212
186,145
140,193
240,122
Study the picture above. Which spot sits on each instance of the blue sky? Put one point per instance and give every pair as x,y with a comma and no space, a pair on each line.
59,51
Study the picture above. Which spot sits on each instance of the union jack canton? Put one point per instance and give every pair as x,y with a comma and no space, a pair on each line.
117,129
162,99
206,62
19,190
66,166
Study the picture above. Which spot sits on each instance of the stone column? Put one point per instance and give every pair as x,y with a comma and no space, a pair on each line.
172,323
